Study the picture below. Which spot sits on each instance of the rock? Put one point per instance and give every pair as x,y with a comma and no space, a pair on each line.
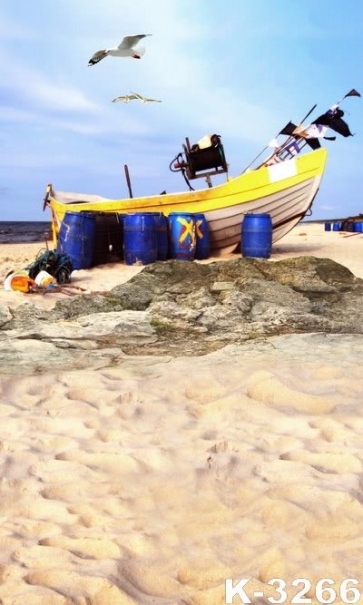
113,328
220,286
5,316
50,344
185,308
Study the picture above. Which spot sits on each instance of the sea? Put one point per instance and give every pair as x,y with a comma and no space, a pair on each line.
17,232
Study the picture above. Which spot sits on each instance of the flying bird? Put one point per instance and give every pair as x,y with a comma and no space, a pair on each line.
126,48
125,98
145,99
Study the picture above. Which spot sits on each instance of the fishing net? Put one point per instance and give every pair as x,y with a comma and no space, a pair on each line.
58,265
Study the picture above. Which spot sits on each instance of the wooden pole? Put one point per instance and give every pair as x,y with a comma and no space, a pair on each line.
256,158
128,179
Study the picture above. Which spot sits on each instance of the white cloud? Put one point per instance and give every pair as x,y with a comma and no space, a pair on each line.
58,96
31,87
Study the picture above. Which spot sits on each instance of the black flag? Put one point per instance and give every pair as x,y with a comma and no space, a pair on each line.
313,143
289,130
352,93
333,119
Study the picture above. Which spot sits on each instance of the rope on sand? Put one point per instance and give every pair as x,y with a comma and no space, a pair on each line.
68,290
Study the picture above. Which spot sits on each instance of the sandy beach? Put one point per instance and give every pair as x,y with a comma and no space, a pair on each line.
156,480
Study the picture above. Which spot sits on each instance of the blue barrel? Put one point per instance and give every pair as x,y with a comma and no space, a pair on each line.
140,240
256,235
182,238
358,227
161,235
76,238
337,226
202,248
327,227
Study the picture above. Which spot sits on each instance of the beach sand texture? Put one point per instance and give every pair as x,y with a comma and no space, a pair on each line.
154,481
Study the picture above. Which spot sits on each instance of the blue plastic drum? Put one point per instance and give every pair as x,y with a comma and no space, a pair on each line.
202,249
256,235
140,238
182,236
162,235
76,238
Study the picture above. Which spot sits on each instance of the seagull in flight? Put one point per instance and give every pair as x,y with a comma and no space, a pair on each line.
126,48
133,96
125,98
145,99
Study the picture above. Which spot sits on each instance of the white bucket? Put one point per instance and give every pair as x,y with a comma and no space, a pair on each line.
43,279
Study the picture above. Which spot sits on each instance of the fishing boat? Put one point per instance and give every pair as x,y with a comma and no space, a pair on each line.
283,186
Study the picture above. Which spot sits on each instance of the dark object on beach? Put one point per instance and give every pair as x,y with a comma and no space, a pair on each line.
108,240
58,265
352,223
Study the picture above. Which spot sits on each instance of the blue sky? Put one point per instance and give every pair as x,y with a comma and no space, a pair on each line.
237,68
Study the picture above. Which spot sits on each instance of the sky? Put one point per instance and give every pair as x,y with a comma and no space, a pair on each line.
238,68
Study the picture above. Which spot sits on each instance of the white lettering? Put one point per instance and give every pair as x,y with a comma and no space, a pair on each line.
232,591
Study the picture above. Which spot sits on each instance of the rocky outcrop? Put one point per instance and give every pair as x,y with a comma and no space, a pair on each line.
178,308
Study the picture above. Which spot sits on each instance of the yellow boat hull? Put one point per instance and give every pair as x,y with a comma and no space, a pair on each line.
285,190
